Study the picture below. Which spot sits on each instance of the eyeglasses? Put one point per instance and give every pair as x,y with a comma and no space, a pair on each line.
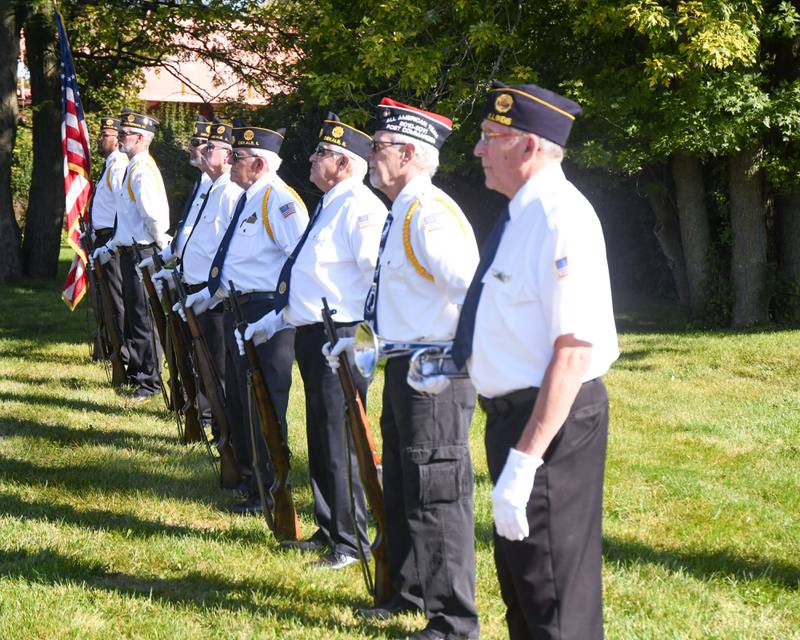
321,152
238,156
125,134
108,135
488,136
378,145
197,142
211,148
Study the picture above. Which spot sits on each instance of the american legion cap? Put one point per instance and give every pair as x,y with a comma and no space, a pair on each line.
530,108
109,122
337,133
134,120
202,127
425,126
249,137
219,131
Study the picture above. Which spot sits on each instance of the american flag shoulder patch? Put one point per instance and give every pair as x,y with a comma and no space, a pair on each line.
367,220
562,267
287,209
434,222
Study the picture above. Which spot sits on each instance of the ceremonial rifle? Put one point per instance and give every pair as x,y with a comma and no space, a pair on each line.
101,343
369,465
177,339
284,522
160,321
230,476
98,277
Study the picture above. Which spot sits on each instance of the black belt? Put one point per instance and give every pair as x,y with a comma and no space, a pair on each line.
194,288
129,249
244,298
320,327
103,234
504,405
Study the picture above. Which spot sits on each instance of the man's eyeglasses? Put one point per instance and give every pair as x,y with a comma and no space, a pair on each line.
321,152
197,142
108,135
211,148
125,134
237,156
488,136
378,145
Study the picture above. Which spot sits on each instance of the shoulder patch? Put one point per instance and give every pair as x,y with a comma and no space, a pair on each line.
287,209
368,220
562,267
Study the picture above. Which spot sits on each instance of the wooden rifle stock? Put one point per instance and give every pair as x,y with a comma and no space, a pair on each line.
193,431
118,375
286,526
369,463
230,476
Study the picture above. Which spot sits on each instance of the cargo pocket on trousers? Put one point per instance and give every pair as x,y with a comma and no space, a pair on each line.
445,474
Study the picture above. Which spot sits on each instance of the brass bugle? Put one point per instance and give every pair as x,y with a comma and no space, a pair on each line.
434,361
369,349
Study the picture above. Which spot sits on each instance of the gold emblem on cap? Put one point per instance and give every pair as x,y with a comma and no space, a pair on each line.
207,129
282,288
109,122
131,117
248,135
214,272
337,132
503,103
221,129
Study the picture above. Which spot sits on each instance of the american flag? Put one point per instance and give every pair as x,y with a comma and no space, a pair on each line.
77,158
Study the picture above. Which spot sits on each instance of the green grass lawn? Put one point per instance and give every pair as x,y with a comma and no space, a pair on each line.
110,528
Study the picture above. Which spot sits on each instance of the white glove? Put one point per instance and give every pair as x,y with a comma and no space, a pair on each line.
429,382
199,302
146,263
260,331
166,253
511,494
103,254
332,355
162,276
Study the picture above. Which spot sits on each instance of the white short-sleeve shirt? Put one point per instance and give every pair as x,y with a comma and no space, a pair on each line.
142,207
191,214
549,278
104,200
339,256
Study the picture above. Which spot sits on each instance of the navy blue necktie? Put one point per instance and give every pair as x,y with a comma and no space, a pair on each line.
194,227
462,344
285,277
94,193
215,274
371,303
185,215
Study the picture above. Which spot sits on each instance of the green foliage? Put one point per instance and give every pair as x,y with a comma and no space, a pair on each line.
21,167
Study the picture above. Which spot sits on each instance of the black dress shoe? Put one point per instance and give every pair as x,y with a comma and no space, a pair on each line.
249,507
395,607
334,561
241,491
304,545
140,393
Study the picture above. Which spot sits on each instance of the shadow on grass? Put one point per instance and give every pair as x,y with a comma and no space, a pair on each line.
68,436
43,399
206,592
703,564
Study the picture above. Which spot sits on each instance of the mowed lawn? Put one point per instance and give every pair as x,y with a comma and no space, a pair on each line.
110,528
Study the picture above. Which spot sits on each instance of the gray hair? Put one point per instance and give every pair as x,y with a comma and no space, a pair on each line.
551,150
273,159
426,154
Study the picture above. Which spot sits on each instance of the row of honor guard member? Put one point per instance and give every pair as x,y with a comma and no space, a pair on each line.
537,333
103,213
335,259
427,258
266,224
208,211
142,218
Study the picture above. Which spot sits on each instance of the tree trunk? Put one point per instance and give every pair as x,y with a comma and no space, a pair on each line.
668,233
690,192
10,256
788,213
749,252
45,216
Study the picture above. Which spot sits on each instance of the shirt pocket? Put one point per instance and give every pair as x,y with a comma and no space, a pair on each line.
509,284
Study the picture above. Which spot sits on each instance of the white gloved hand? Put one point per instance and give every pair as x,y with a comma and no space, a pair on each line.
198,302
162,276
511,494
103,254
259,331
332,354
166,253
